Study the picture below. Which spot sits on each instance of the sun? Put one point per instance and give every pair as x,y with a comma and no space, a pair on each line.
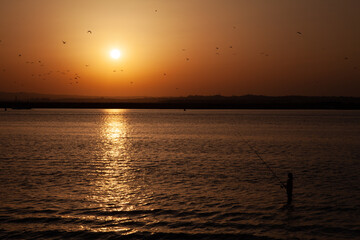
115,53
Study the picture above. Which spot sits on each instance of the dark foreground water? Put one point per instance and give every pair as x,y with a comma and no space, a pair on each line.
170,174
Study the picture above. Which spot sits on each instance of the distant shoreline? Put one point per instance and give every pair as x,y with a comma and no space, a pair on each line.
27,105
190,102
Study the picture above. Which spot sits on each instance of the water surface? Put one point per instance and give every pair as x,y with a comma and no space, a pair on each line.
171,174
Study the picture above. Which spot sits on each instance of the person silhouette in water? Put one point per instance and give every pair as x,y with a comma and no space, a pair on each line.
289,188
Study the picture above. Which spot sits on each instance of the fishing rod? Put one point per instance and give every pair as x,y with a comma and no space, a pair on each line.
258,155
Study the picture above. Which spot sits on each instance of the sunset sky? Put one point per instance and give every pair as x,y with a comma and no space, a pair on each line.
180,48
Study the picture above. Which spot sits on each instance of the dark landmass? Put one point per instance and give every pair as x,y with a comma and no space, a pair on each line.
33,100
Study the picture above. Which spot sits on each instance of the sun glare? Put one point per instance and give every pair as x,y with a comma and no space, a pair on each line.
115,54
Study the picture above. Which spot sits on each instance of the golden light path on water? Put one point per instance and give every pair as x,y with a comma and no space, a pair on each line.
112,190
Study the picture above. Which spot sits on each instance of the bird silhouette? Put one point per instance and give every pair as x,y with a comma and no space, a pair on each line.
64,42
89,31
299,33
19,55
187,59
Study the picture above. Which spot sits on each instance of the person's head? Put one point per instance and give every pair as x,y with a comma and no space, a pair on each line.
290,175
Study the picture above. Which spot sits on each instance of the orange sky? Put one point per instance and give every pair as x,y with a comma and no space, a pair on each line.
180,48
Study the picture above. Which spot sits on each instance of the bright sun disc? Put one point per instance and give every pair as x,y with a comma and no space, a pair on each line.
115,53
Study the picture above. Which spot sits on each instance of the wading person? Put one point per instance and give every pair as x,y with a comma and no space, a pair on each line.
288,187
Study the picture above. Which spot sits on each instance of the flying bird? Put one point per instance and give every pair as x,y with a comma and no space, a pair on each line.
64,42
89,31
19,55
299,33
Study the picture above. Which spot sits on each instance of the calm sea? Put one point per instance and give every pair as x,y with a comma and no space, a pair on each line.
174,174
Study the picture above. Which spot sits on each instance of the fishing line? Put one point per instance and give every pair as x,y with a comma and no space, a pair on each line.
263,161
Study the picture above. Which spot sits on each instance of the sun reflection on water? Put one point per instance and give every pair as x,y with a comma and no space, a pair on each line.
118,189
113,170
114,133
